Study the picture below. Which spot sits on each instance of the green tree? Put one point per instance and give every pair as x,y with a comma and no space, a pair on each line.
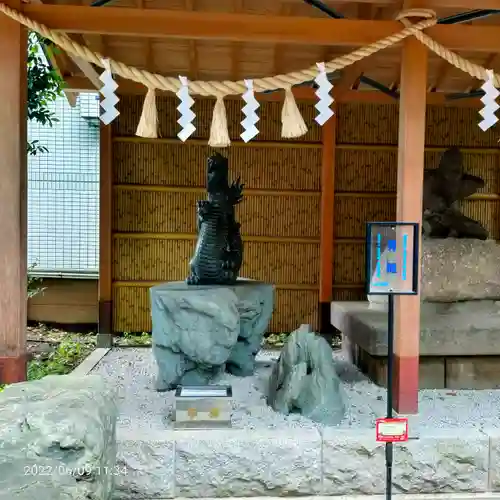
44,86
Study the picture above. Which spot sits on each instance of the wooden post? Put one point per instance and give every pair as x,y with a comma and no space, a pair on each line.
412,108
327,223
13,199
105,336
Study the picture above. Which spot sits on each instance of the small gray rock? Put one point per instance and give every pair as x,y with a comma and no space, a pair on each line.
58,439
304,380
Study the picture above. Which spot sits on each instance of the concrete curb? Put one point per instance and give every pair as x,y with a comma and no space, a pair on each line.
438,496
304,462
87,365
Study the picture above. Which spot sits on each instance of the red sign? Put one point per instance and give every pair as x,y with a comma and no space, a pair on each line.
392,430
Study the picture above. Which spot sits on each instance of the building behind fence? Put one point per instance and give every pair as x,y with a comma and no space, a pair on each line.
63,212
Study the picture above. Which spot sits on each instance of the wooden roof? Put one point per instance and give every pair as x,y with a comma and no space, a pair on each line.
208,59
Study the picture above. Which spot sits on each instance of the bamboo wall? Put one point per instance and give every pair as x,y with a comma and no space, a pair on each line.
156,184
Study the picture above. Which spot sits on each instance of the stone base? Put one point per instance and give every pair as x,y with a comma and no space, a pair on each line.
299,462
459,343
476,372
198,331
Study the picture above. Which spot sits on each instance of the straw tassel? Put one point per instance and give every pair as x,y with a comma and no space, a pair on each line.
148,124
219,134
292,123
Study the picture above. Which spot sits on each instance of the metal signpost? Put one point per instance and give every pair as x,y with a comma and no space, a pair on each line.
391,269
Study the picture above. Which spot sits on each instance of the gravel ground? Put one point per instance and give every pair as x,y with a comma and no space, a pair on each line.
133,371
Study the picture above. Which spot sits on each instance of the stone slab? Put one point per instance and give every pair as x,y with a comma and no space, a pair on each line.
441,461
473,372
432,370
463,328
145,469
247,463
303,462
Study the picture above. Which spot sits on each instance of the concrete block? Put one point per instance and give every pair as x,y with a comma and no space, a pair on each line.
354,463
431,370
145,468
494,459
244,463
444,461
478,372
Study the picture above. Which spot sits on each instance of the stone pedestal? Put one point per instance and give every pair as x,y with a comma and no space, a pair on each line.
198,331
455,269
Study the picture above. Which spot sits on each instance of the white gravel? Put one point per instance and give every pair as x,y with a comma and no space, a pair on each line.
133,371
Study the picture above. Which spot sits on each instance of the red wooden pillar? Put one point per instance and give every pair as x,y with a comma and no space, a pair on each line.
412,108
105,335
13,199
327,223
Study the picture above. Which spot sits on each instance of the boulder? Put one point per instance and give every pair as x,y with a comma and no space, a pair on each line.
304,380
58,439
198,331
455,269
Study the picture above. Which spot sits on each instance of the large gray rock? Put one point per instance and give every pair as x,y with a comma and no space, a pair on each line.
304,380
455,269
58,439
198,331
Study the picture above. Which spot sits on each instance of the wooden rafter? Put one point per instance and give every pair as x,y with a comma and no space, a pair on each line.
236,46
442,73
190,5
85,67
148,46
351,75
438,4
279,48
59,64
249,28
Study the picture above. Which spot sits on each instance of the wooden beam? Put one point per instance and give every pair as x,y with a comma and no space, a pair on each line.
79,84
437,4
85,67
328,132
72,98
411,147
60,68
13,200
248,27
104,338
458,4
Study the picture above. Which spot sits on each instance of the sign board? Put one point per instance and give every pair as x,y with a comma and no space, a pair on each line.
392,258
392,430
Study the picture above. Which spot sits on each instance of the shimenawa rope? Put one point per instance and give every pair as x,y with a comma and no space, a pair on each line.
292,121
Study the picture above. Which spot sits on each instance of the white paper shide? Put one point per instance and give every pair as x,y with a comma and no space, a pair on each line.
108,104
490,104
325,100
250,111
184,108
